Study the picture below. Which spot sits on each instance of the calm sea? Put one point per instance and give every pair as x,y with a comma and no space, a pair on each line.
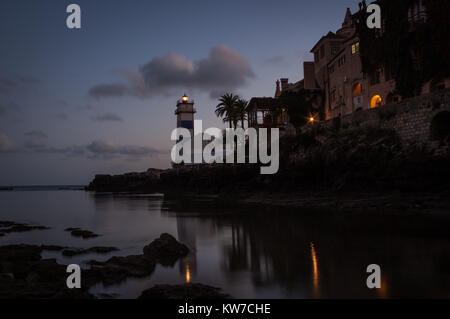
250,252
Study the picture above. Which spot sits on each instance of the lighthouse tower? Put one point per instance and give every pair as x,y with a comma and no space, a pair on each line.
185,113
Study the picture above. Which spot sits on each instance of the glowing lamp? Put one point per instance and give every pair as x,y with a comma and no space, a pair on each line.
311,119
185,98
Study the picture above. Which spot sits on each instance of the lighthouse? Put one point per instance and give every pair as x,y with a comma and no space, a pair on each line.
185,113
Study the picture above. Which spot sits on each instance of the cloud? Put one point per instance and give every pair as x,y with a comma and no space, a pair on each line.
34,143
107,117
35,139
108,90
101,147
85,107
62,116
27,79
275,60
7,85
36,134
97,149
70,151
223,70
6,145
9,108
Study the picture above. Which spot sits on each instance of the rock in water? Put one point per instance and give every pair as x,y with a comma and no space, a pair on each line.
13,227
166,249
77,232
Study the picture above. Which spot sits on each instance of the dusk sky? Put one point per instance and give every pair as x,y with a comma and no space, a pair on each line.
74,103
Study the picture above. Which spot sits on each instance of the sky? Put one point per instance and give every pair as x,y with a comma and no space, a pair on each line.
101,99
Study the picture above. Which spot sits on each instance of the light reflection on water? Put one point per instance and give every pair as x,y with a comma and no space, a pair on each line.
250,252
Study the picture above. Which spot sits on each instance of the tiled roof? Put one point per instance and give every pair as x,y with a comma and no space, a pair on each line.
262,103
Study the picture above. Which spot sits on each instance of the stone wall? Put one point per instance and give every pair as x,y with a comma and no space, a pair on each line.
410,118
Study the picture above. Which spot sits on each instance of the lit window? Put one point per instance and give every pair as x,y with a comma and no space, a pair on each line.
357,89
375,101
355,48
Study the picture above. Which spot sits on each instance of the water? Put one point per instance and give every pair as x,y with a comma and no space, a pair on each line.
250,252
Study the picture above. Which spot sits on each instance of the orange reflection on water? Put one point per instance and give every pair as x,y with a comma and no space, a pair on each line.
315,271
188,274
383,290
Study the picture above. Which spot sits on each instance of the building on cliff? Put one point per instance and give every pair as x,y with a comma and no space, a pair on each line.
272,112
360,68
357,68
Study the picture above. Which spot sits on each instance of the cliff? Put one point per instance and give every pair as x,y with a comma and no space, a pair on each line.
323,160
131,182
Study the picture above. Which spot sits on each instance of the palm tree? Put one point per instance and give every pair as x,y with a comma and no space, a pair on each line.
227,108
241,110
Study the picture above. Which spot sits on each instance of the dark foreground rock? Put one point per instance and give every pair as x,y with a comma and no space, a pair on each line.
186,291
7,227
165,250
85,234
24,274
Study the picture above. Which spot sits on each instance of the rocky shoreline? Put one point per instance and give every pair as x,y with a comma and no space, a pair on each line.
24,274
349,168
7,227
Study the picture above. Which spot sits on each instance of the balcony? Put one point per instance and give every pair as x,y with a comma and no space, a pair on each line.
185,110
190,101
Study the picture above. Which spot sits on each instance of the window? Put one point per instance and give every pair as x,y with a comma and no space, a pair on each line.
341,61
357,89
388,75
331,70
316,56
416,14
375,101
355,48
376,77
333,95
322,52
334,50
187,124
260,117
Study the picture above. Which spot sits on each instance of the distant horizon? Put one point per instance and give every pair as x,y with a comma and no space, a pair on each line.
24,186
